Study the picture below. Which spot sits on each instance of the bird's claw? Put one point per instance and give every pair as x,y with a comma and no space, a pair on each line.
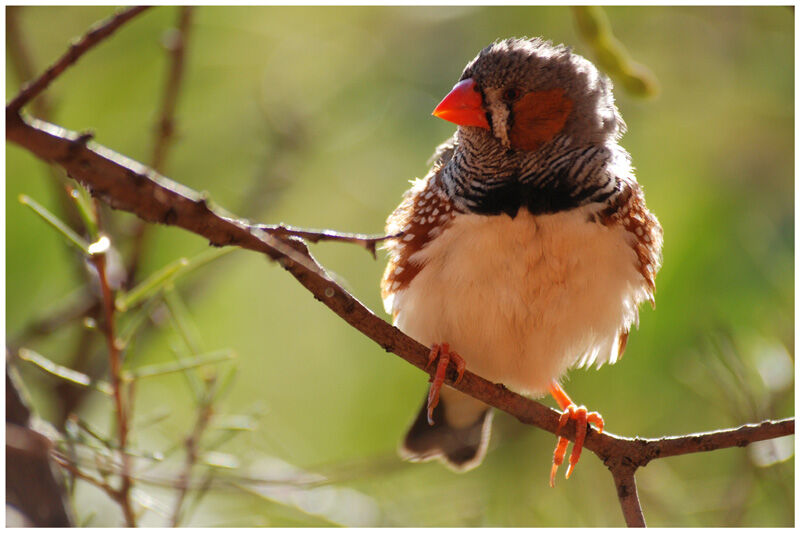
582,417
443,353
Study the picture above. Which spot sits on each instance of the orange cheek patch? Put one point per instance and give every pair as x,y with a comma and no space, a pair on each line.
538,117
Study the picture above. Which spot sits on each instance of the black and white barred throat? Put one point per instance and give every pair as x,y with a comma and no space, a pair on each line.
482,177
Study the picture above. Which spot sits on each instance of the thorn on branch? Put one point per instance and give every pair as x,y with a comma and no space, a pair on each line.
83,138
79,143
202,204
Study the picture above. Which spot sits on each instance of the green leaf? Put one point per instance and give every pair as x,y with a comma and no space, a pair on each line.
150,286
97,435
234,423
135,321
60,226
67,374
156,417
206,257
183,323
168,274
220,460
162,369
84,203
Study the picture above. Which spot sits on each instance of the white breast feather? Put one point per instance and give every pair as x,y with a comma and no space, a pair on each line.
524,299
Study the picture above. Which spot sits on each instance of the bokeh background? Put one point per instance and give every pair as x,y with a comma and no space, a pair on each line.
319,117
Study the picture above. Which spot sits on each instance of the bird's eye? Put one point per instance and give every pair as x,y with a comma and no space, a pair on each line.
511,94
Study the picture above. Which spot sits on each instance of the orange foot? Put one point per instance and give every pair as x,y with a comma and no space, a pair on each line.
582,417
442,351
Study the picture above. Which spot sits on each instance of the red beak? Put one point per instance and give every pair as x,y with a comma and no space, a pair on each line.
463,106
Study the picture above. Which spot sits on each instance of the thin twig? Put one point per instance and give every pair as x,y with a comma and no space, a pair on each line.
118,495
77,472
100,32
78,306
176,46
75,307
714,440
85,358
220,480
369,242
20,59
24,66
165,127
192,452
115,359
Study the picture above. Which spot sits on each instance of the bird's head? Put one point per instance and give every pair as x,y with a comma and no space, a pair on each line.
525,92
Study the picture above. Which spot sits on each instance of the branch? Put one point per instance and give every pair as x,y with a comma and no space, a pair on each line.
75,51
714,440
123,408
625,481
118,495
176,46
23,64
205,412
127,185
165,128
20,58
366,241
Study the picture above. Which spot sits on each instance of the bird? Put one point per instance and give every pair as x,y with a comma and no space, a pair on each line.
527,248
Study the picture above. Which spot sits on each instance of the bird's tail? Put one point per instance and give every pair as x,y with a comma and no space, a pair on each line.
458,437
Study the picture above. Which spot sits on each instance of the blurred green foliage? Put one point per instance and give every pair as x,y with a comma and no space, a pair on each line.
318,117
610,54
